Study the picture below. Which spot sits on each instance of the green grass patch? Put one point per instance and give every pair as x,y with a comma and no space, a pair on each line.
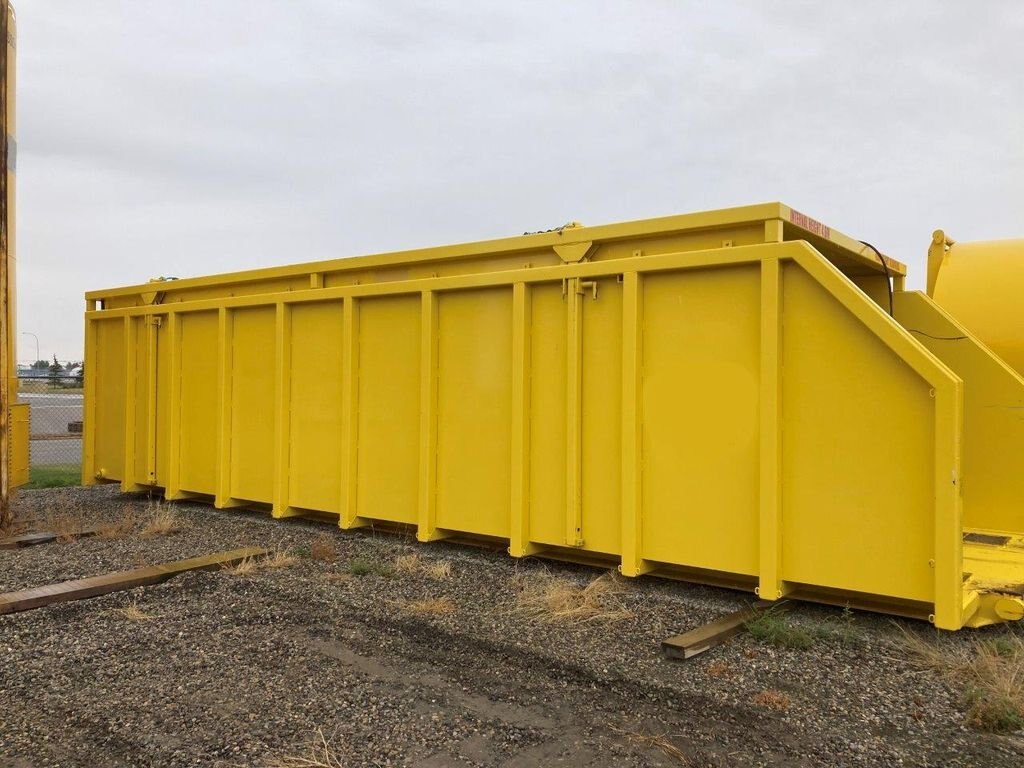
842,630
996,712
772,628
54,476
360,567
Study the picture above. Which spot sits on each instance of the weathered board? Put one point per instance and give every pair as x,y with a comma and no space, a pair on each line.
41,537
93,586
707,636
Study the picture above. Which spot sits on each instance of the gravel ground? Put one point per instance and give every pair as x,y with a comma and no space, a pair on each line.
242,670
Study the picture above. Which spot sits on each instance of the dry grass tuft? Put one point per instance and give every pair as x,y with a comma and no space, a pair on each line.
320,755
118,528
657,742
930,655
132,612
989,672
323,549
548,598
279,558
244,567
66,526
19,524
407,563
432,606
66,516
439,570
717,669
772,699
162,521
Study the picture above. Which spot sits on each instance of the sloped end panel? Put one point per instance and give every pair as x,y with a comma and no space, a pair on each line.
857,452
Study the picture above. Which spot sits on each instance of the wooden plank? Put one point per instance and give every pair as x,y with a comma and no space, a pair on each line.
707,636
42,537
27,540
79,589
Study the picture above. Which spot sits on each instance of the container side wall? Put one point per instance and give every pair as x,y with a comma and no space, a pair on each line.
547,415
139,383
624,407
150,384
162,400
252,398
694,232
109,407
876,287
316,406
700,416
749,234
474,411
198,404
858,452
601,430
387,454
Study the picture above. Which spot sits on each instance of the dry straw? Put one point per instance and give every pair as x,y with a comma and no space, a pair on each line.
552,599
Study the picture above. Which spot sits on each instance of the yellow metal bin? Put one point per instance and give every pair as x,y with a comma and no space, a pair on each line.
721,396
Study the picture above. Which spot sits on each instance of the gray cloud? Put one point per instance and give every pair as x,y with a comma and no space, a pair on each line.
192,138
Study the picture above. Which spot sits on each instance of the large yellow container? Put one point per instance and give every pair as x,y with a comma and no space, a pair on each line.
981,284
720,396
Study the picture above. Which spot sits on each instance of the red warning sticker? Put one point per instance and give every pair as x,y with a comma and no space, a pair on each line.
811,225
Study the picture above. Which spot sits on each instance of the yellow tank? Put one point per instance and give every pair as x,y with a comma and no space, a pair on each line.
982,284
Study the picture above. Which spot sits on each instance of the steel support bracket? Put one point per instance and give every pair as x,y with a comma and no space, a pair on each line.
572,253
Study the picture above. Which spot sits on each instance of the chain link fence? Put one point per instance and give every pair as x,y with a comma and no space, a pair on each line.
55,413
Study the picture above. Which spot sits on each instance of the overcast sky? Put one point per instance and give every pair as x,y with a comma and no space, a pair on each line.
189,138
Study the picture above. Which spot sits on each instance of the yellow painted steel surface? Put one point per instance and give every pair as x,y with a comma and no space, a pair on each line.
981,284
13,417
710,396
18,460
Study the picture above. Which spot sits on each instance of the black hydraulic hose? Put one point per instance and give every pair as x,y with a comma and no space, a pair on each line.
888,275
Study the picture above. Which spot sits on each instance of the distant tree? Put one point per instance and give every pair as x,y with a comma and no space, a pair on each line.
40,365
80,375
56,372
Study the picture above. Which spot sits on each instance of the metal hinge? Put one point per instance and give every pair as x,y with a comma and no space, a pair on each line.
582,286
